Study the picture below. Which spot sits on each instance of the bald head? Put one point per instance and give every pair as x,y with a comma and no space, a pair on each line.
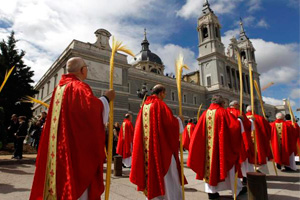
75,64
249,109
279,116
160,91
218,99
233,103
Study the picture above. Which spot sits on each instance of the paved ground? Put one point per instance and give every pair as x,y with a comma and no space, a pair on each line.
16,180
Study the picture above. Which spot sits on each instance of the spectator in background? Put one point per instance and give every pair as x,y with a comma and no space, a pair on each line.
20,136
116,136
12,129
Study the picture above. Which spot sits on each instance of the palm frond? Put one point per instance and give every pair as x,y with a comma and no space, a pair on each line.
6,77
30,99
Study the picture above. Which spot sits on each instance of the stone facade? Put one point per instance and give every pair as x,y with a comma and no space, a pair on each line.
217,73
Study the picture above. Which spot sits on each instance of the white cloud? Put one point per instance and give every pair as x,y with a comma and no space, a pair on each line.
193,8
295,93
263,24
279,75
169,52
276,102
270,55
46,27
254,5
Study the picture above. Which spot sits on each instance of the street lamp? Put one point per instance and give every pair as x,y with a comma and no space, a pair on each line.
141,93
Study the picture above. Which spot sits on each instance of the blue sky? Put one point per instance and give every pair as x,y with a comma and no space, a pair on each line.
46,27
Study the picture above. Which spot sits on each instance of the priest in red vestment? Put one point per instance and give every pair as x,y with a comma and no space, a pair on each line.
263,137
69,163
296,132
125,140
188,130
215,148
155,162
282,143
247,146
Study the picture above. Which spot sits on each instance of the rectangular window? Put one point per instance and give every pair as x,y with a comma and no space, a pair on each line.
195,100
48,87
184,99
42,95
222,80
55,81
173,96
208,81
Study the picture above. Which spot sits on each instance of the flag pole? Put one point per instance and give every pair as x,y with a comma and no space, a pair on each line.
179,66
116,46
264,114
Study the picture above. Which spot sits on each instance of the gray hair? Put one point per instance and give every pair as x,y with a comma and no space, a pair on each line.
279,116
234,102
75,64
218,99
248,109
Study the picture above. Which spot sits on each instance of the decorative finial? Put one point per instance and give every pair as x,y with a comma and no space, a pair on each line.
145,34
206,8
241,24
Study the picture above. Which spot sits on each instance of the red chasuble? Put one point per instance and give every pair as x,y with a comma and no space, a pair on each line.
263,137
247,146
125,139
215,145
296,135
187,135
156,140
282,141
71,151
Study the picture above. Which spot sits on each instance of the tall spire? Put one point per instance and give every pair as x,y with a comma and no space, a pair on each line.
206,8
242,27
145,43
243,35
145,34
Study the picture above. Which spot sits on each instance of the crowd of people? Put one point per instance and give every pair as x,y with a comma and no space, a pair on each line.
20,129
73,144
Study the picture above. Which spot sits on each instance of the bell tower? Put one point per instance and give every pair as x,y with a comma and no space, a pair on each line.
246,48
209,32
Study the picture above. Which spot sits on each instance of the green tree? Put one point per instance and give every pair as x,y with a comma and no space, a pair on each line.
19,84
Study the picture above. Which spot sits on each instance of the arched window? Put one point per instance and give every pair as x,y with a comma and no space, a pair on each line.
217,32
204,32
243,55
154,70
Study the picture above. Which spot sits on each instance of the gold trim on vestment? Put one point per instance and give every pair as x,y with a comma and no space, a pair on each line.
50,180
210,118
123,126
189,130
146,131
279,134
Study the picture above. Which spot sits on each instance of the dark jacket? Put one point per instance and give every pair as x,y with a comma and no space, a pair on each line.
22,130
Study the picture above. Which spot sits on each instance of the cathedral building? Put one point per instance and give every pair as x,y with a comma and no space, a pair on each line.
217,72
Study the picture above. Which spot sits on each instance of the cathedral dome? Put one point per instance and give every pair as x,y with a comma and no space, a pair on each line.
146,55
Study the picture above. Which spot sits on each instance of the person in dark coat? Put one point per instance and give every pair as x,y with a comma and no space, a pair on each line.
12,129
20,136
